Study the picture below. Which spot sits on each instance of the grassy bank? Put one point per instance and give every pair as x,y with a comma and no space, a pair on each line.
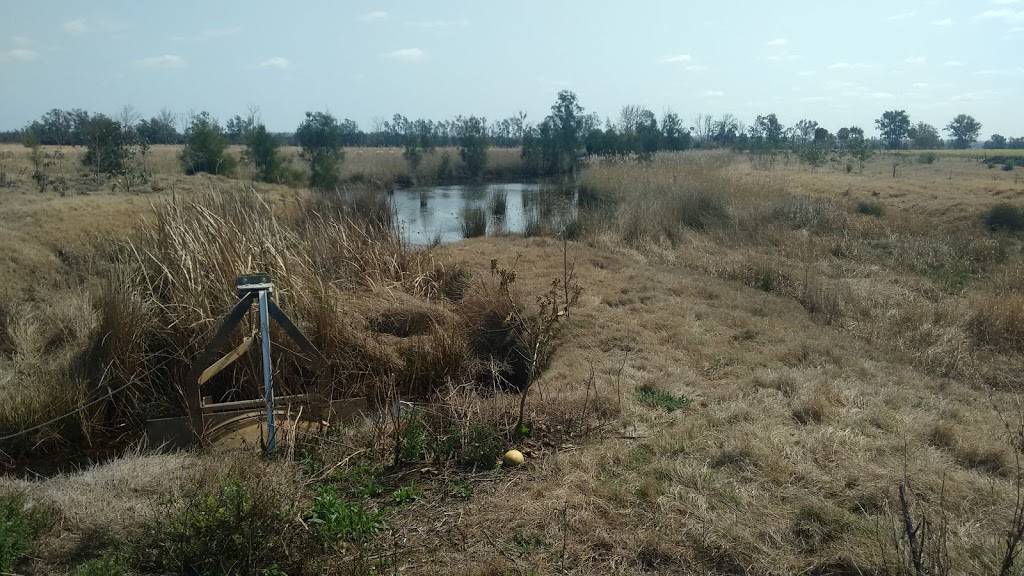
757,363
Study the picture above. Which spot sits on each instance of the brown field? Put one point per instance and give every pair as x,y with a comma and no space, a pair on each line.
839,334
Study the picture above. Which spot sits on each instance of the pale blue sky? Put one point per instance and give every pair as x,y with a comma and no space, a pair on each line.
839,63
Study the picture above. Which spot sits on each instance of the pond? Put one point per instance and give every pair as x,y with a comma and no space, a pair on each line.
439,214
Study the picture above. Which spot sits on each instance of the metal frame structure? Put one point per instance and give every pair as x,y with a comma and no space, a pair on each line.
204,417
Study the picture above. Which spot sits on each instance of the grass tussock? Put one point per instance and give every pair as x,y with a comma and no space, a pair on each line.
473,221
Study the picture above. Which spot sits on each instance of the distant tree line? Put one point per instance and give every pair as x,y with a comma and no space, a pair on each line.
118,145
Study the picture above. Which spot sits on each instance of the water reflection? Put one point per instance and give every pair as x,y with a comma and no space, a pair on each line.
435,214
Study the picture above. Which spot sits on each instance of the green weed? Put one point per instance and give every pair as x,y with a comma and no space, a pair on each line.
405,495
110,564
337,519
651,396
20,526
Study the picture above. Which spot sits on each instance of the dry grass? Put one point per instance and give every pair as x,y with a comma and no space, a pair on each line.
829,355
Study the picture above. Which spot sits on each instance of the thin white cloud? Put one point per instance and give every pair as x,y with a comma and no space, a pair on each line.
461,23
916,60
974,96
919,85
780,57
806,73
777,42
677,59
944,23
992,72
275,62
18,55
406,54
902,16
21,40
848,66
953,63
166,61
370,16
881,95
1005,14
714,94
1005,1
695,68
77,26
816,99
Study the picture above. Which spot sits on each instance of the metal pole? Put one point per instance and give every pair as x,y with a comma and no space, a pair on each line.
268,384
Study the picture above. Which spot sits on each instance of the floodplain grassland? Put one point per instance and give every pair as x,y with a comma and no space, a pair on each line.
761,355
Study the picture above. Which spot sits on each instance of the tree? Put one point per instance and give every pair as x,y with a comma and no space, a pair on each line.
419,140
894,126
673,135
159,129
647,139
964,130
804,130
108,146
320,137
996,142
842,136
568,129
473,143
858,146
261,150
924,137
206,147
767,129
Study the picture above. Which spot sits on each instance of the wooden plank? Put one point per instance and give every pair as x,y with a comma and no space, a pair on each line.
225,361
246,404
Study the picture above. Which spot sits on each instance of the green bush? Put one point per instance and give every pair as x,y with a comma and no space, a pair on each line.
1004,216
21,525
1008,166
337,519
927,157
481,448
230,529
261,150
206,148
107,146
870,208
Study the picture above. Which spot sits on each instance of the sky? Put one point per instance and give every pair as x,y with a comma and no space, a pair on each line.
838,63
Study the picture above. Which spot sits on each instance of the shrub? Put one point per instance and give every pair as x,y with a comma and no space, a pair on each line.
481,448
261,150
927,157
1004,216
1008,166
20,526
474,222
870,208
205,148
107,146
230,529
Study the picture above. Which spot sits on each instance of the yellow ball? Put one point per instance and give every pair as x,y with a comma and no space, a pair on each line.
513,458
